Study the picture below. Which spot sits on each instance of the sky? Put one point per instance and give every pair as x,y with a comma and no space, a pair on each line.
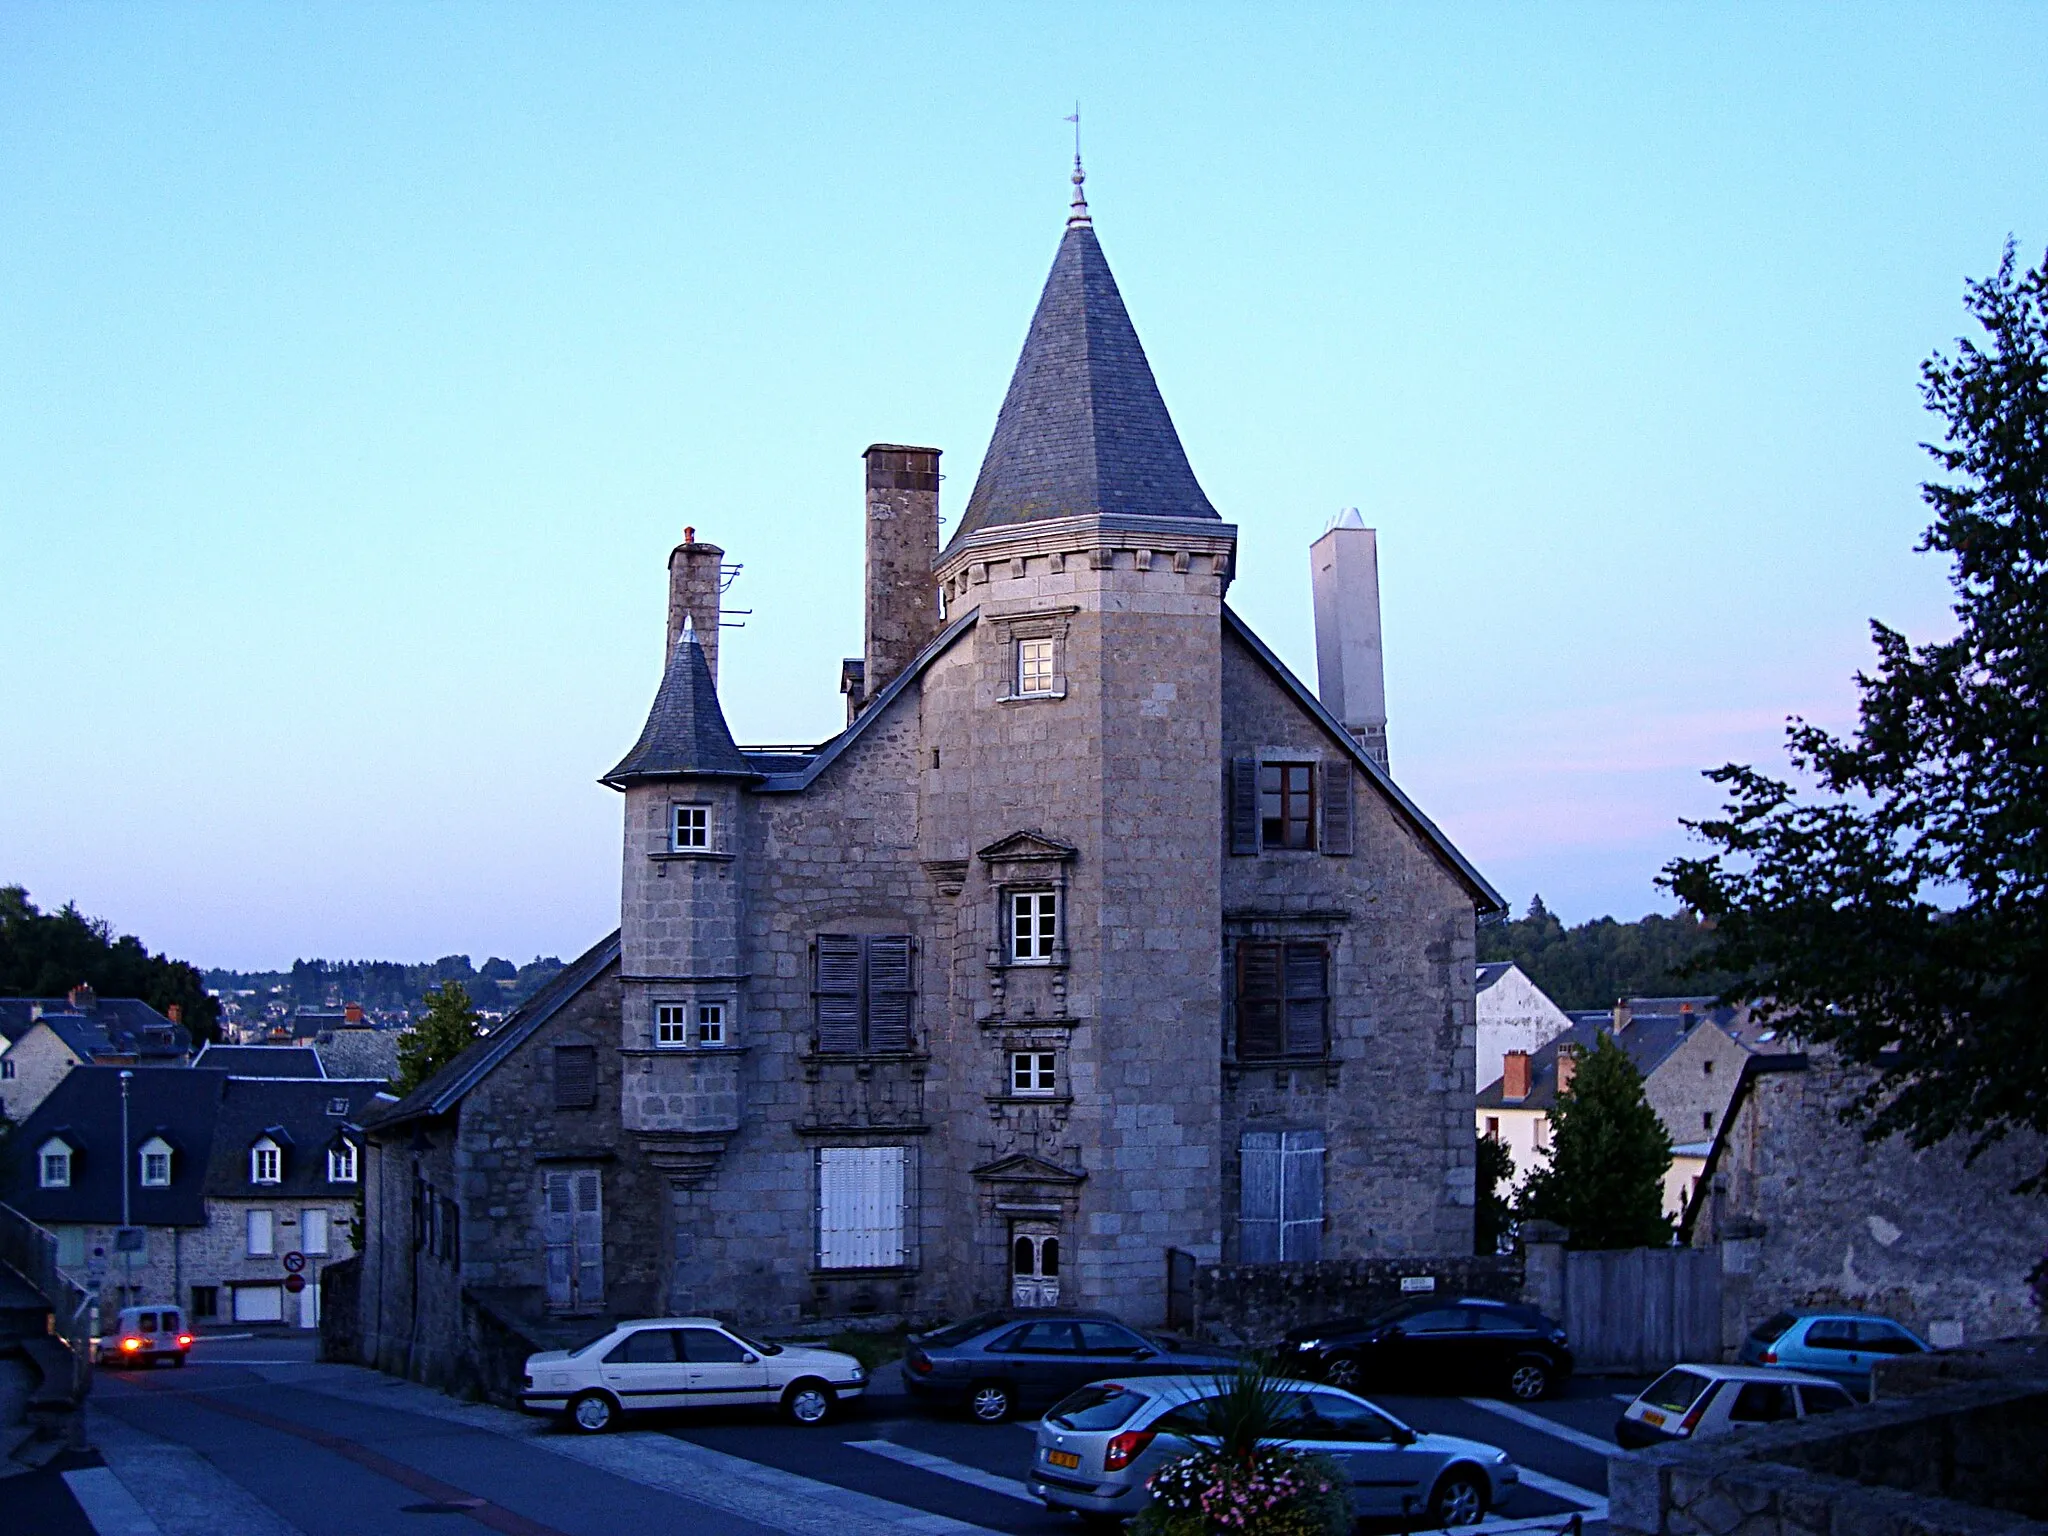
361,363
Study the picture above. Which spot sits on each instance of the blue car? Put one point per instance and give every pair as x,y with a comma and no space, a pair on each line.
1841,1346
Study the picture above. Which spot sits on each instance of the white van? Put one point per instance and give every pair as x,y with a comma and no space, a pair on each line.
143,1336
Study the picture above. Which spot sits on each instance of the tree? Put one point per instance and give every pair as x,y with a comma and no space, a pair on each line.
1896,909
1591,965
444,1032
46,954
1491,1213
1608,1156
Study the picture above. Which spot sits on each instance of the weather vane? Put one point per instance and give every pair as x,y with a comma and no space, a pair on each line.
1077,213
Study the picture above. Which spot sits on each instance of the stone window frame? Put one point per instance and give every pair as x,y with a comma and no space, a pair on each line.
1009,632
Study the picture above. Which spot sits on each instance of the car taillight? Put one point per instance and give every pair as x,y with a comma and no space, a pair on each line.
1770,1357
184,1341
1125,1448
131,1345
919,1362
1687,1424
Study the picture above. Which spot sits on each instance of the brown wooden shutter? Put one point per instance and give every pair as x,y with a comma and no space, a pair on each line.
1244,805
1258,999
838,992
575,1076
888,977
1308,998
1336,806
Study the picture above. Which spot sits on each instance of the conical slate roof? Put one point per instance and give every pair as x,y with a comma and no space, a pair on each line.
686,733
1083,429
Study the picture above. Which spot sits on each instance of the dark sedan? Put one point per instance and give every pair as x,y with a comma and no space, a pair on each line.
996,1363
1462,1344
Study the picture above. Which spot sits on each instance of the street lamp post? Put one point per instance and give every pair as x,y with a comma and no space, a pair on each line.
127,1251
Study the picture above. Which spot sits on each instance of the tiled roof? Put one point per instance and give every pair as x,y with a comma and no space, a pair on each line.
261,1060
1083,429
686,731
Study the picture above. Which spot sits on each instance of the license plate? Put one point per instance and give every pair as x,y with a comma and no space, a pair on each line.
1652,1417
1065,1459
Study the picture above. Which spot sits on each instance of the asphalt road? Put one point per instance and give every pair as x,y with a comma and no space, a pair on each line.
253,1439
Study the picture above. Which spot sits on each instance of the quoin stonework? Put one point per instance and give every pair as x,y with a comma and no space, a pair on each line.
1093,935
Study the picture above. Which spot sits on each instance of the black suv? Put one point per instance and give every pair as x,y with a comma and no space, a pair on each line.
992,1364
1462,1344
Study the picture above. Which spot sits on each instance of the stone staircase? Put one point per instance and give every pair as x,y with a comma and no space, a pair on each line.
43,1373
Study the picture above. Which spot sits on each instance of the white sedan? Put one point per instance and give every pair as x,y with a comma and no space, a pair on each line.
685,1362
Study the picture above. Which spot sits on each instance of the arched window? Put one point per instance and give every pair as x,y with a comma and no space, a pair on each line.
266,1162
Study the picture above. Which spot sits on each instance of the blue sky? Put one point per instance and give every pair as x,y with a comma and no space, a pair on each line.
359,364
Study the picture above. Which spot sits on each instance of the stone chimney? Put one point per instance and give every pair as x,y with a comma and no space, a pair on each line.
1624,1015
175,1013
903,543
1567,1068
352,1013
81,998
1514,1076
695,574
1351,677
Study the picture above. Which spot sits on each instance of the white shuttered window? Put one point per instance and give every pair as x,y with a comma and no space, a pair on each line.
1280,1196
861,1207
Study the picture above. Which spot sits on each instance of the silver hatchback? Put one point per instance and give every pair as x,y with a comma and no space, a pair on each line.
1098,1446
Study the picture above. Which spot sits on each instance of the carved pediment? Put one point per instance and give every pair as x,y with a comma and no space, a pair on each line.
1023,1168
1029,847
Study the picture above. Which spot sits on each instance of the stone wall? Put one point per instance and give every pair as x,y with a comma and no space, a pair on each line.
1966,1460
1257,1303
341,1325
1814,1216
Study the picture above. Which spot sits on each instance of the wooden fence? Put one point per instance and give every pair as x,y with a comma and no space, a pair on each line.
1642,1309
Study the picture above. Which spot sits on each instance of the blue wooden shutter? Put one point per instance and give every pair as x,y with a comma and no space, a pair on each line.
889,991
1258,1197
838,992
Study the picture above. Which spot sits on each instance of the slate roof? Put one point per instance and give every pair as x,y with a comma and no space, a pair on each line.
686,731
261,1060
1647,1040
127,1024
446,1088
85,1109
1083,429
360,1053
303,1118
1491,972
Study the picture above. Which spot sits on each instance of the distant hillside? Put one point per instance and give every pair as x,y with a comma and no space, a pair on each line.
386,988
1593,964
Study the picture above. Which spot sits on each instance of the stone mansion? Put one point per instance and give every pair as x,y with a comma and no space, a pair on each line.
1094,934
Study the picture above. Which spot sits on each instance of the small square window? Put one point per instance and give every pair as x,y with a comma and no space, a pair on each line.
671,1024
265,1165
711,1023
1706,1119
1031,1072
689,828
341,1163
1034,926
1034,666
1287,805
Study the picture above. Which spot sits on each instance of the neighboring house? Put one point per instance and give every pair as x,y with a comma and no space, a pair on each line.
1689,1061
262,1060
1514,1014
1093,936
233,1185
45,1037
1809,1215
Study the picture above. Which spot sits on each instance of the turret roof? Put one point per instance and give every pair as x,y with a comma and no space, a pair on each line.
1083,429
686,734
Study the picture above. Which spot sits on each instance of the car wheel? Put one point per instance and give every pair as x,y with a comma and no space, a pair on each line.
990,1402
1459,1499
1343,1371
808,1402
593,1413
1528,1380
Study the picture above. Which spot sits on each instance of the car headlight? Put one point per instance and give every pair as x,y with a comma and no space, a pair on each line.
860,1373
1309,1344
1501,1457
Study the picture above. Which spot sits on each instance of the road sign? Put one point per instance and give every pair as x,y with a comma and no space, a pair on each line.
294,1262
295,1283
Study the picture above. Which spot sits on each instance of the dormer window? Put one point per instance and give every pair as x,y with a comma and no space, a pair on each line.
689,828
155,1159
266,1162
341,1163
53,1164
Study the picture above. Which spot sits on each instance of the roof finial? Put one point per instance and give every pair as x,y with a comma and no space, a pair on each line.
1077,213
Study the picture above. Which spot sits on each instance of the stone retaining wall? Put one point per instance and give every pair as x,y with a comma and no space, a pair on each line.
1258,1303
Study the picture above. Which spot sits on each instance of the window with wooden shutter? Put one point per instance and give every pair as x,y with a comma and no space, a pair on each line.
864,992
1243,800
1259,1000
1282,999
838,992
1307,968
1336,806
575,1076
862,1208
1280,1197
572,1226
